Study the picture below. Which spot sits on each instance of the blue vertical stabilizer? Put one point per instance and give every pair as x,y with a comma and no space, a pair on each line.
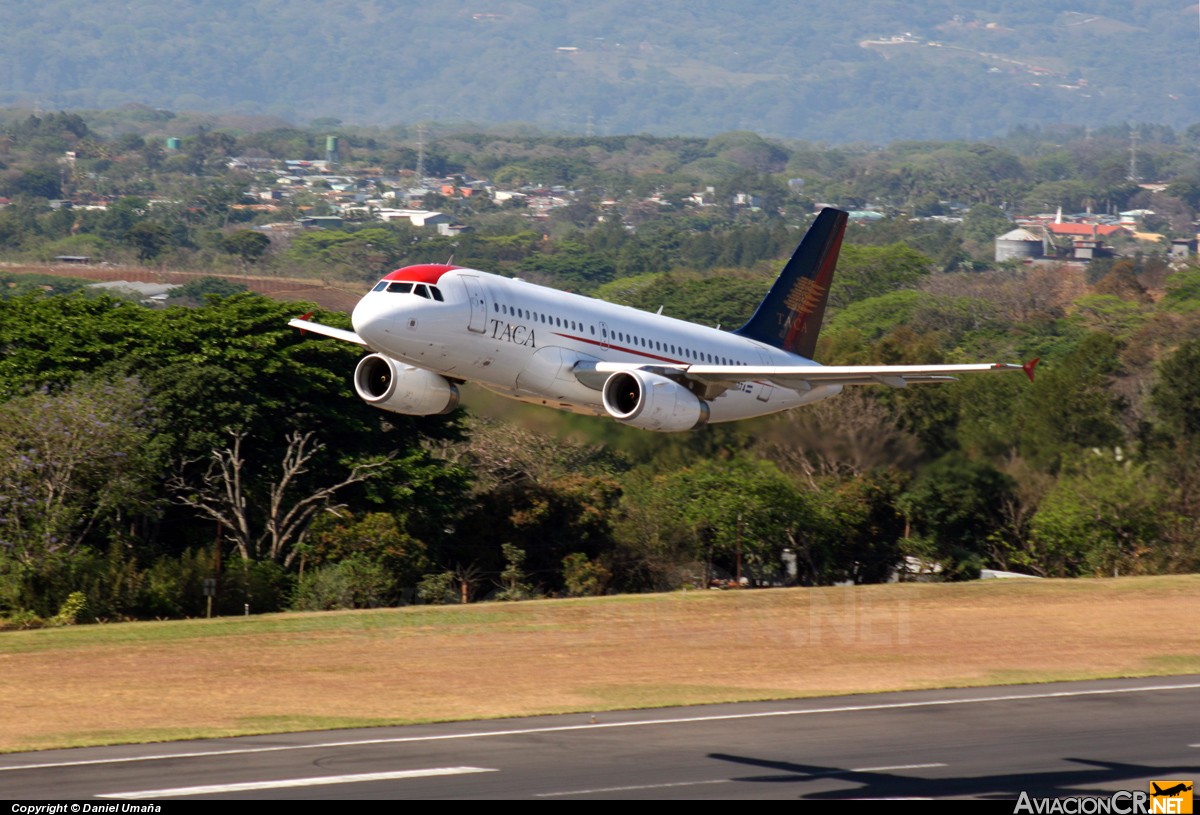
789,317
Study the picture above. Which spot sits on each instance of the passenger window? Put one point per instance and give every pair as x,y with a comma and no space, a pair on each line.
419,291
380,286
402,288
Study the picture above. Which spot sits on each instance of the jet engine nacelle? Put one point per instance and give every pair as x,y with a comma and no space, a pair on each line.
385,383
653,402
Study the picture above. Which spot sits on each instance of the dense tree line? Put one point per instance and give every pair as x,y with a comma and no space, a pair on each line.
143,451
141,447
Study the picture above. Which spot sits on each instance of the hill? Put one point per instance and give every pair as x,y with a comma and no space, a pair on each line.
809,71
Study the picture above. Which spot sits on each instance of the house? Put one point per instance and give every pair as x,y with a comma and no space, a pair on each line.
417,217
1089,231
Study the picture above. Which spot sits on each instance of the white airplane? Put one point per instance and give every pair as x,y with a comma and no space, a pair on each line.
432,327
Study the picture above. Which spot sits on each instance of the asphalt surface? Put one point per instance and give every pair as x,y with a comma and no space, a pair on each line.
1089,738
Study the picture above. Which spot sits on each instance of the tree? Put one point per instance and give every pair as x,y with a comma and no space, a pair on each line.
1104,516
514,582
583,577
955,503
715,512
866,528
850,435
869,271
71,462
75,467
267,525
1069,406
1176,395
1176,398
247,244
40,181
357,582
984,223
200,288
374,537
149,238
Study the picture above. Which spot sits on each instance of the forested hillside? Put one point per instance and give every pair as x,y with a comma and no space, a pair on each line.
872,71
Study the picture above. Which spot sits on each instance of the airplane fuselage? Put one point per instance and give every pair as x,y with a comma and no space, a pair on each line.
532,343
431,327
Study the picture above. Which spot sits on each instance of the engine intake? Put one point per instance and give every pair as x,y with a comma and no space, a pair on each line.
390,385
653,402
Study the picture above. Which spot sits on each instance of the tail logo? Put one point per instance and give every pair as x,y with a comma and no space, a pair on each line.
805,296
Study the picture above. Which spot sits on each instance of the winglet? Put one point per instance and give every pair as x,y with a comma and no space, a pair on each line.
1029,366
306,317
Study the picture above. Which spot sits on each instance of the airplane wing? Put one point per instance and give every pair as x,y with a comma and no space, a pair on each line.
896,376
328,331
718,378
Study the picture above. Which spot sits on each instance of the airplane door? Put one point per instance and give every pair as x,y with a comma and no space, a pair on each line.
478,322
763,390
603,335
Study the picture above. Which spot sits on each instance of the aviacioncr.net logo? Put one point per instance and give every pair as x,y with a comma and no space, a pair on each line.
1163,798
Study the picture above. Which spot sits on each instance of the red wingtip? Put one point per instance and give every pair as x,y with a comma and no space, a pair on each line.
307,316
1029,366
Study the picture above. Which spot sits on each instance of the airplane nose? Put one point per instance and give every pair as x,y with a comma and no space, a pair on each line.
371,320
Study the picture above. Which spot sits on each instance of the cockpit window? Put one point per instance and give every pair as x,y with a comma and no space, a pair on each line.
437,294
419,291
380,286
402,288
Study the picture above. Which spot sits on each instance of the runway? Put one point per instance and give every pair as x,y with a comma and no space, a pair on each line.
1089,738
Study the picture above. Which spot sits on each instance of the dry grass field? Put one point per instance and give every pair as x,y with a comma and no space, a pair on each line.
172,680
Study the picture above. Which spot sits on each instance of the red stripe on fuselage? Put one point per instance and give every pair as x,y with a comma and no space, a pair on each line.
609,345
639,353
421,273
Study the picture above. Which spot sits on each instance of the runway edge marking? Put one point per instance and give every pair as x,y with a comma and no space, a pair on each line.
317,781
